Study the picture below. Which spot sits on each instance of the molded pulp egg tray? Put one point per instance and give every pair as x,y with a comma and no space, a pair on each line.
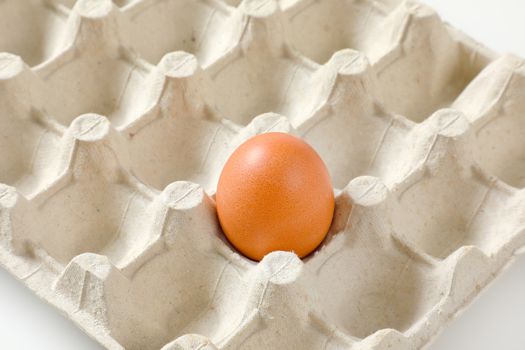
116,119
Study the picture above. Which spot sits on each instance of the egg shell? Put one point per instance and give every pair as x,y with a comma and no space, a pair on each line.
275,193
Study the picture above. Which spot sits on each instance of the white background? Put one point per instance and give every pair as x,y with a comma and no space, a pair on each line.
496,320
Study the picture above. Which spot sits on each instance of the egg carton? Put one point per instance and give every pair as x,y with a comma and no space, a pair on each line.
117,117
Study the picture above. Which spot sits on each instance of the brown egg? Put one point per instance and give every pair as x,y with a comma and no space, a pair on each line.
275,193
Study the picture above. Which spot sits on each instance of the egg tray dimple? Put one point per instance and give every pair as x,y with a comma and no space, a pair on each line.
117,117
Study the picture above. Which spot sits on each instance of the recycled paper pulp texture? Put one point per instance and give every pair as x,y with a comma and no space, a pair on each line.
117,117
